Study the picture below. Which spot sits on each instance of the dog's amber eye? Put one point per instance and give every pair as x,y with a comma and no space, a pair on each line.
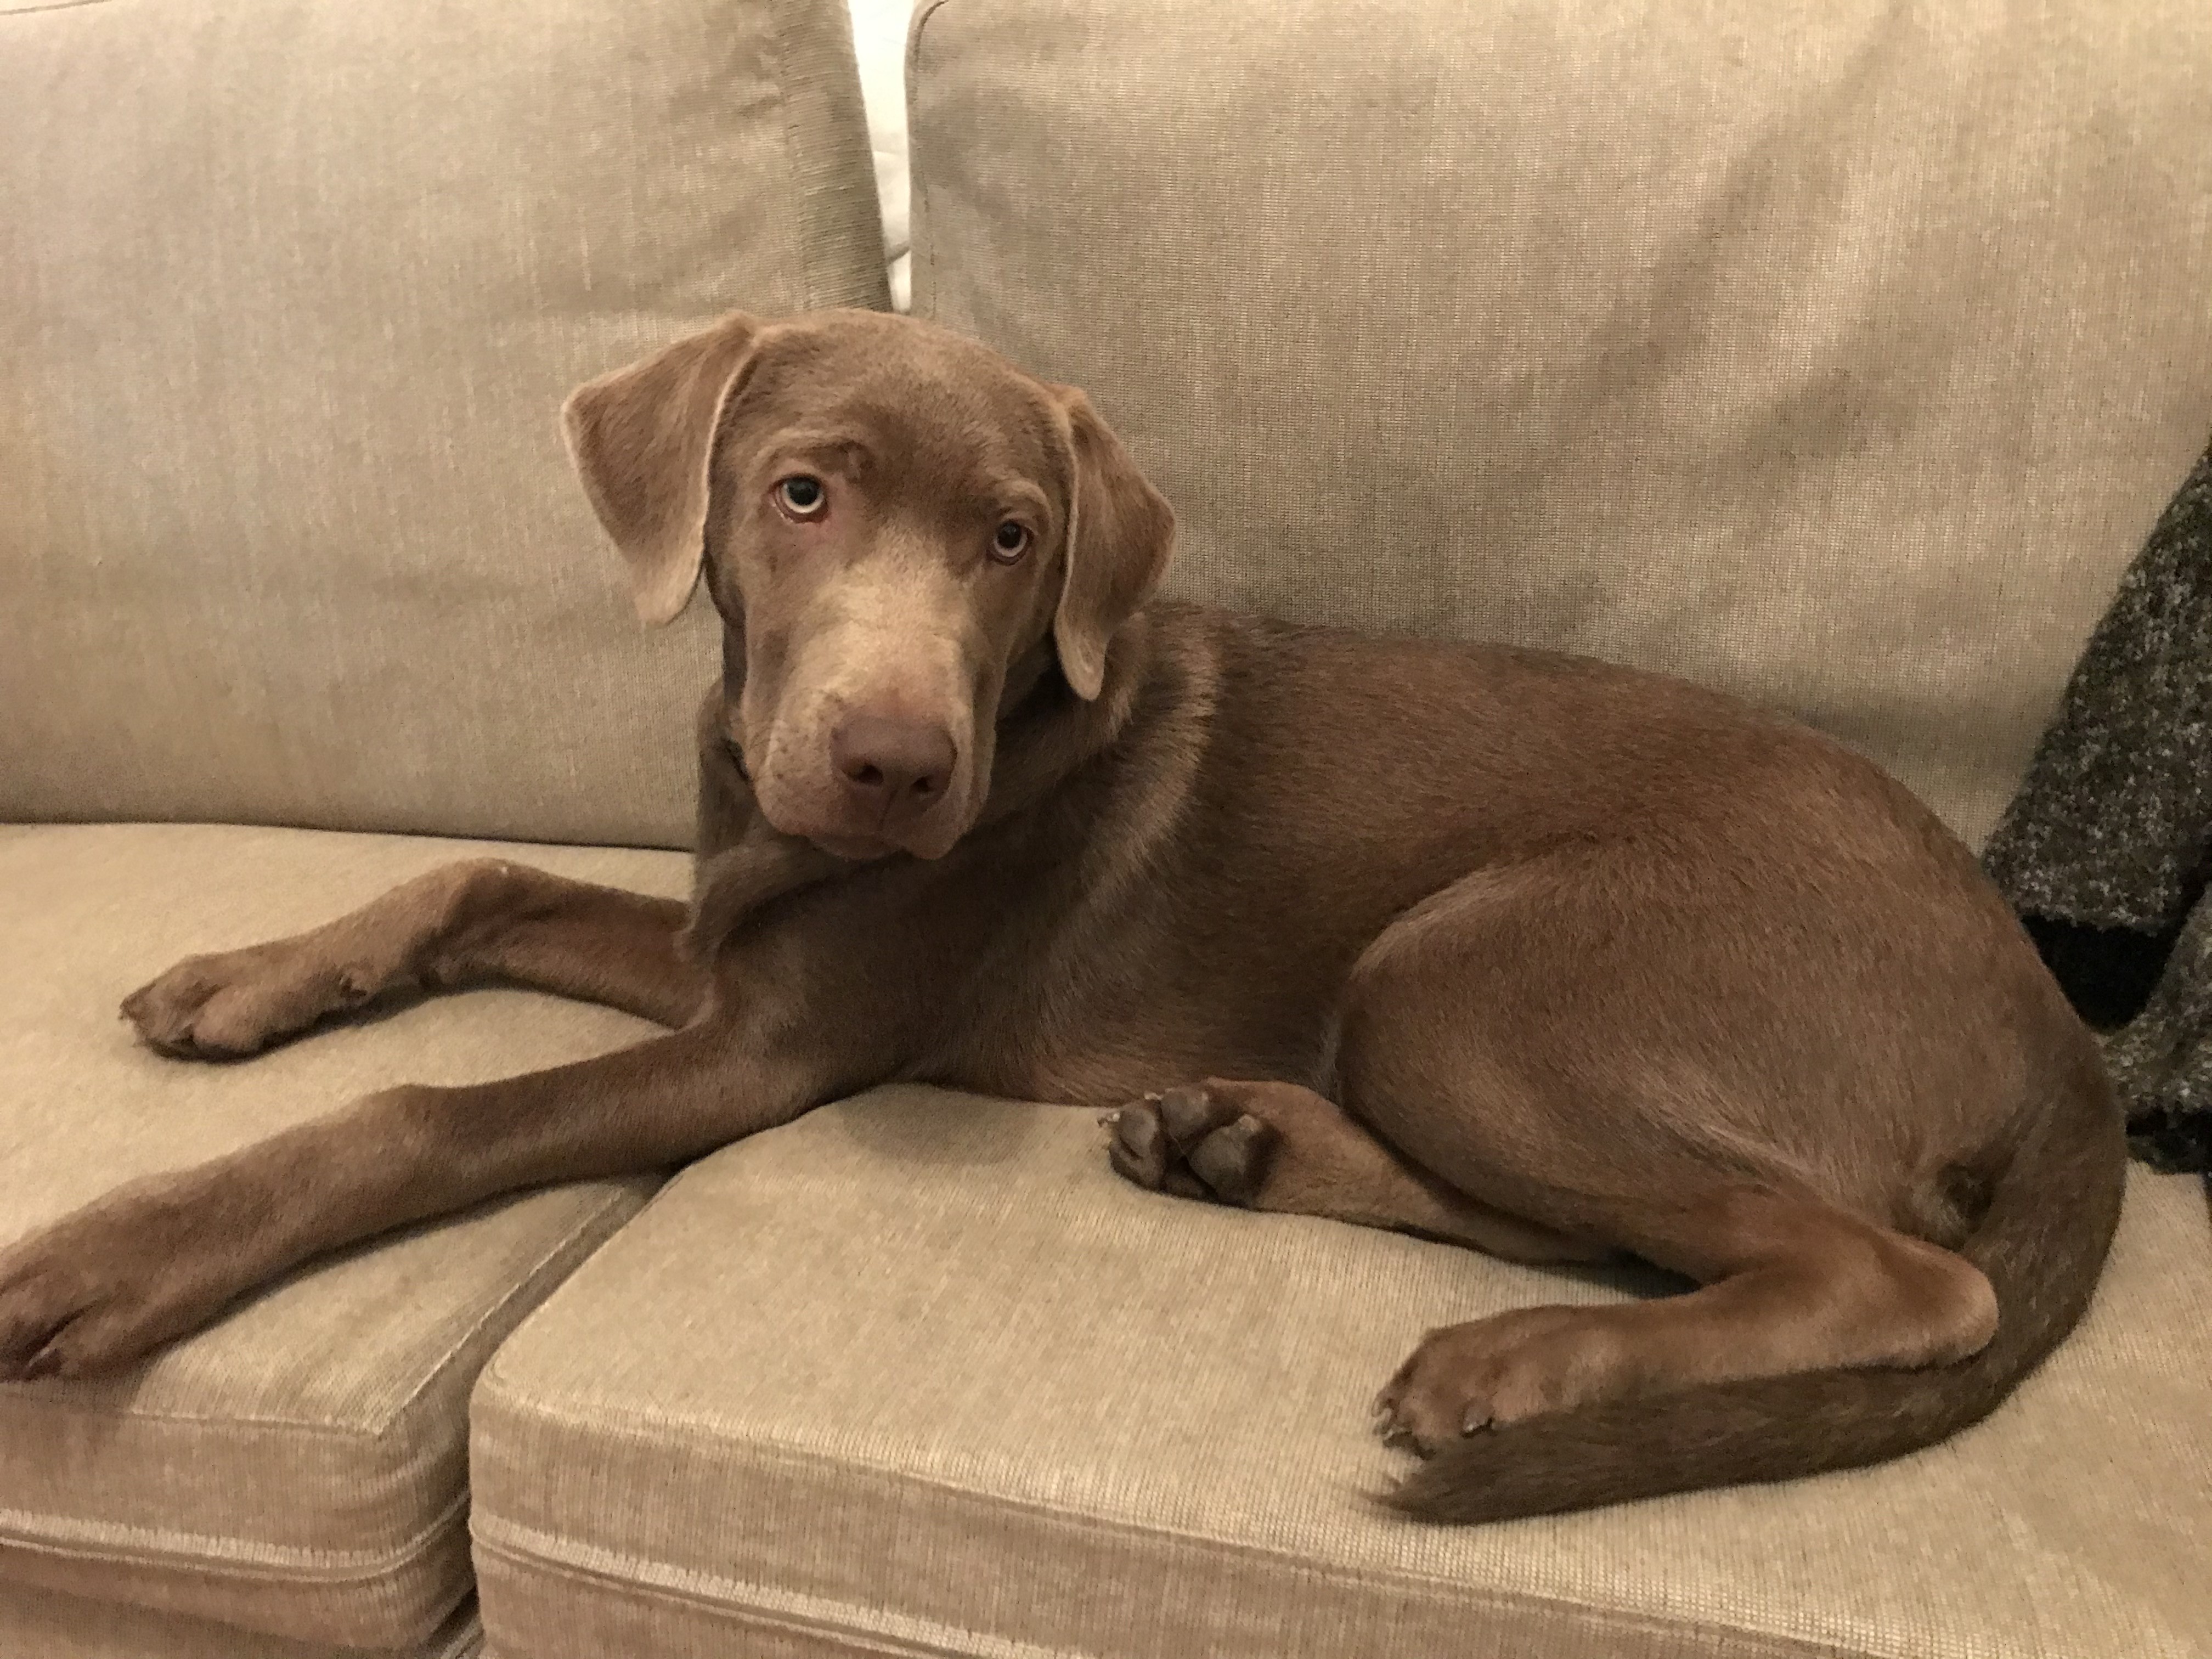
802,497
1012,541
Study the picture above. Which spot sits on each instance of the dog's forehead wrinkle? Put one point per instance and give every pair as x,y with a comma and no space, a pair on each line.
849,445
949,405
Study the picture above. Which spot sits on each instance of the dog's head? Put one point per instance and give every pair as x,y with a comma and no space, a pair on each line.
893,521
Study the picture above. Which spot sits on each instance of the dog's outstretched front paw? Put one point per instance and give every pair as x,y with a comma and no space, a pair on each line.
1194,1142
229,1006
100,1288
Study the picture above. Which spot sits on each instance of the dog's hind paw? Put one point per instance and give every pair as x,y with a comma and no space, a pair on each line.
1192,1142
1462,1379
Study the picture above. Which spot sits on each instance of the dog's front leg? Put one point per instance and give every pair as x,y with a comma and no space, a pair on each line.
161,1256
483,920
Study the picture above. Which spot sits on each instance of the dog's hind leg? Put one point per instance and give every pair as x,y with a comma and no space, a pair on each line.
1743,1073
1276,1146
485,920
1789,1283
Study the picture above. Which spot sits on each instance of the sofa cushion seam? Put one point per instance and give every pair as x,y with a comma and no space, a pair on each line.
1778,1644
278,1563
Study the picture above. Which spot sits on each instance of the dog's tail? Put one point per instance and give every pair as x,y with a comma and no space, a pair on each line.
2041,1242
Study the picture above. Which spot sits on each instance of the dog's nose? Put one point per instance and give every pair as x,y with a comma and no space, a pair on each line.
893,764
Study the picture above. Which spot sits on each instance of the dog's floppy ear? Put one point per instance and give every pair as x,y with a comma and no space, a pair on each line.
642,438
1120,534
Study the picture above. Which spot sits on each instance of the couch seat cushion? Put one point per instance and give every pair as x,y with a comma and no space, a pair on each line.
300,1468
916,1375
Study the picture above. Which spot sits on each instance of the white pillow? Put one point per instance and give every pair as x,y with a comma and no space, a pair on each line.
880,29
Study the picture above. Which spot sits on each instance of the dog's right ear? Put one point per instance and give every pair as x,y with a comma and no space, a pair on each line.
642,439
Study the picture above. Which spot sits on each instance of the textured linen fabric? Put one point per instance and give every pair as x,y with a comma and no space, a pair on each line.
1836,353
917,1375
45,1625
299,1469
290,293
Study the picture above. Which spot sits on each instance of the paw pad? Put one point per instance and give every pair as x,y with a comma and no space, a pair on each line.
1191,1142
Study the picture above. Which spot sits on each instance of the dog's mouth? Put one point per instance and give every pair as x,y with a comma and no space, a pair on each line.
855,849
800,812
840,843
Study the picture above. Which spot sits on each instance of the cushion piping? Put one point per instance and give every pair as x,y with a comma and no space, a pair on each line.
225,1558
527,1546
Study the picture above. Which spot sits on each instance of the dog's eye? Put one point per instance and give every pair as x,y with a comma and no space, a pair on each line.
802,497
1012,541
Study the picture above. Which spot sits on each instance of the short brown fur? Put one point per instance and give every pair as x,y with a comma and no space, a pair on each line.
1553,959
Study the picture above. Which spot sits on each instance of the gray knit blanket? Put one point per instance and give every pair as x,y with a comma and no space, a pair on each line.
2107,849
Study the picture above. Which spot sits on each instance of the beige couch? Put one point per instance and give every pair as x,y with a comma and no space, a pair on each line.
1838,353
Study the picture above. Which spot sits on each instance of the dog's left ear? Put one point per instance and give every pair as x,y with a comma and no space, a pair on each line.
1120,532
642,438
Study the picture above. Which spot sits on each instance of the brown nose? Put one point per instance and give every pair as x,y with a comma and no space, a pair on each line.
901,767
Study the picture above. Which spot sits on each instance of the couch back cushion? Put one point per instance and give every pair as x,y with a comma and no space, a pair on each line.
291,292
1835,353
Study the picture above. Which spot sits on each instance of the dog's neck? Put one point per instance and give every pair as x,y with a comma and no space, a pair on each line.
1045,734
